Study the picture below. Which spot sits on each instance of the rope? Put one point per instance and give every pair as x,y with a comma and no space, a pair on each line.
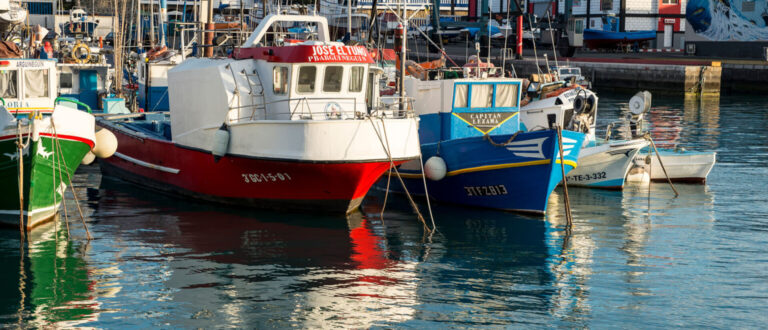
71,186
392,166
493,143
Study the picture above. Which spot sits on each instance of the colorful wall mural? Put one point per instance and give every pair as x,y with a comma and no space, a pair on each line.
729,20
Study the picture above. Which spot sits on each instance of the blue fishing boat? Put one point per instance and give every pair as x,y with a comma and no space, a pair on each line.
474,150
610,36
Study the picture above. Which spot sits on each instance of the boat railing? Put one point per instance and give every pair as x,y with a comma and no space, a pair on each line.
335,108
233,37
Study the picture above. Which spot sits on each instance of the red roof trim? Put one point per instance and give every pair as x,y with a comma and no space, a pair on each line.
306,54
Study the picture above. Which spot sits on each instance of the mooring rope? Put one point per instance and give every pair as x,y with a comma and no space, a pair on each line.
71,186
512,138
392,166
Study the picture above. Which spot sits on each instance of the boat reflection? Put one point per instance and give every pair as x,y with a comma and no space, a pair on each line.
617,226
54,284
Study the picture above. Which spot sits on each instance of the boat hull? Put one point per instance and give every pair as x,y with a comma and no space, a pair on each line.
518,177
605,166
606,39
44,180
283,184
690,167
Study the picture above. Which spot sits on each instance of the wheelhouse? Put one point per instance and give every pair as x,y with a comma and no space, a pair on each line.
28,85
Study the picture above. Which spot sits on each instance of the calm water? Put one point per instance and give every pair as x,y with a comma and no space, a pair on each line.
699,260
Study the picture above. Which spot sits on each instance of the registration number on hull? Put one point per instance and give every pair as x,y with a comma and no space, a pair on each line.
493,190
586,177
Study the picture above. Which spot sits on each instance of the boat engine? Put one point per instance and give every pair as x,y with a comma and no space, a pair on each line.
639,104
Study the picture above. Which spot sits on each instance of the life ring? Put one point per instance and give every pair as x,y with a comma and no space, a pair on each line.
76,55
156,52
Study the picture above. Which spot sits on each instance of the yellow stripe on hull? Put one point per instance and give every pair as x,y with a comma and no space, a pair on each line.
493,167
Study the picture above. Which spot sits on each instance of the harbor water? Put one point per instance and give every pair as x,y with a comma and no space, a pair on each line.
638,257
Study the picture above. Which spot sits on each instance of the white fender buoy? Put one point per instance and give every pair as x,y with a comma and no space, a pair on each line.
220,141
106,144
88,159
435,168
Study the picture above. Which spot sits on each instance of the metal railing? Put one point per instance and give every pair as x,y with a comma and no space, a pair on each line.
302,109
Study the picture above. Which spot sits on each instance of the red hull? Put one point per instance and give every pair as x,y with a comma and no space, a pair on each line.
330,187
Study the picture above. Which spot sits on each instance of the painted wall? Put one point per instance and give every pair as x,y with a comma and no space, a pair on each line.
734,20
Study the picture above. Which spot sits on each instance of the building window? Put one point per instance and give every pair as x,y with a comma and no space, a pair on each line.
39,8
608,4
748,6
670,2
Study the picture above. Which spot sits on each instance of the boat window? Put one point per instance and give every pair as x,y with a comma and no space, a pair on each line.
35,83
356,79
506,95
481,96
8,87
306,79
280,80
460,96
332,79
65,80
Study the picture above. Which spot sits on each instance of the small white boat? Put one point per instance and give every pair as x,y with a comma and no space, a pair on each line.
605,165
682,166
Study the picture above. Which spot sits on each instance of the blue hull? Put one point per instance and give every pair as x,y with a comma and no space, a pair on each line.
155,98
600,38
517,177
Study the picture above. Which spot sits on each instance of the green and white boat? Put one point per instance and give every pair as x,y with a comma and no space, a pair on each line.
55,140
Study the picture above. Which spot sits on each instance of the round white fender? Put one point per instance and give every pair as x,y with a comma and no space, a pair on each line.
88,159
435,168
106,144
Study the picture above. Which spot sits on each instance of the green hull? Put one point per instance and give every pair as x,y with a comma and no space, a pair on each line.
43,187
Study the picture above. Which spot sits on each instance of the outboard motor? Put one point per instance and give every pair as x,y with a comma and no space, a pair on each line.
638,106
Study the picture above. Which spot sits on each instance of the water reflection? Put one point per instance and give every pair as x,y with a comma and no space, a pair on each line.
53,283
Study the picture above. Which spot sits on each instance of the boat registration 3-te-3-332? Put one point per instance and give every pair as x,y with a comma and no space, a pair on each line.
586,177
494,190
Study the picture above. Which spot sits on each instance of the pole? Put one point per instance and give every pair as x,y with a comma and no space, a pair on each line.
209,31
139,39
568,217
349,21
519,48
152,23
162,17
402,55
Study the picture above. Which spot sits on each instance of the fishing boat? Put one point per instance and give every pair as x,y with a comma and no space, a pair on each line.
55,138
476,152
276,125
602,163
610,36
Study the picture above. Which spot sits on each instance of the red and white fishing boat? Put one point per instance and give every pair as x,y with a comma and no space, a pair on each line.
280,124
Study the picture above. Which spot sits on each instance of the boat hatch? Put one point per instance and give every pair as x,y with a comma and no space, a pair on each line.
481,108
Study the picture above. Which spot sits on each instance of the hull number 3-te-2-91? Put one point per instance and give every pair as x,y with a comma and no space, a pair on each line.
493,190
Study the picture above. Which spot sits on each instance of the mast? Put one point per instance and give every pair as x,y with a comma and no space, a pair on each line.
152,23
139,41
404,24
349,21
162,17
209,30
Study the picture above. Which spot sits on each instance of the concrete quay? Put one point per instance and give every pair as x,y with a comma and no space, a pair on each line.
664,73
